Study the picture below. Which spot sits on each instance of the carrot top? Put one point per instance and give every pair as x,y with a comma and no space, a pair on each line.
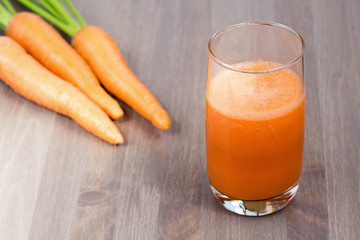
66,17
6,13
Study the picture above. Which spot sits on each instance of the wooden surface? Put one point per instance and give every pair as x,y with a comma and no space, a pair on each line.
59,182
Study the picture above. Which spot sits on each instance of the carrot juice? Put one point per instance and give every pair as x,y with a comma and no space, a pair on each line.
254,130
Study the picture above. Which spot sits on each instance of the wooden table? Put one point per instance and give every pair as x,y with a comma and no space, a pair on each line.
57,181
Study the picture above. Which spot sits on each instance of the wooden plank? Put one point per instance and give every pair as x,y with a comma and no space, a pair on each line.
57,194
338,76
25,133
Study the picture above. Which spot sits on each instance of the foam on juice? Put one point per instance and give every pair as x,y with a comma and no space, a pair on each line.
255,96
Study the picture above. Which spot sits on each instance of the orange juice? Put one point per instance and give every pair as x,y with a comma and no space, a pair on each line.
254,131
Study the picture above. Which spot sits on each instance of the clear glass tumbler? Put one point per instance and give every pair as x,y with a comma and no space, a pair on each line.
255,116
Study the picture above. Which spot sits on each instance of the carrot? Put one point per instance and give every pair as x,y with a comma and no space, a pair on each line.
103,55
116,76
45,44
30,79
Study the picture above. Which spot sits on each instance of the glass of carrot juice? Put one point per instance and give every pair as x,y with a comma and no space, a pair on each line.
255,116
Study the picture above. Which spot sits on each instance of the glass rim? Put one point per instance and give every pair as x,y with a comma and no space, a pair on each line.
264,23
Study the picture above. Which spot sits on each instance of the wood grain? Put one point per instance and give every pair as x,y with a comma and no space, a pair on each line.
59,182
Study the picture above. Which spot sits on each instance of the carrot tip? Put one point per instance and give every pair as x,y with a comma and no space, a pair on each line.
119,140
116,115
162,120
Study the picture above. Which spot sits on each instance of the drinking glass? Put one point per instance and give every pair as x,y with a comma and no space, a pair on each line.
255,116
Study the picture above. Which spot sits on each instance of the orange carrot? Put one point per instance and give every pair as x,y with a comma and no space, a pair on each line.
30,79
102,54
45,44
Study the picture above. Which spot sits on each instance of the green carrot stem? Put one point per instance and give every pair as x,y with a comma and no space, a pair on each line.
52,10
63,12
57,13
5,17
9,7
69,30
2,27
76,13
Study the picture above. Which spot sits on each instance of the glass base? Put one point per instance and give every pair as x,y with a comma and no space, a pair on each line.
256,207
